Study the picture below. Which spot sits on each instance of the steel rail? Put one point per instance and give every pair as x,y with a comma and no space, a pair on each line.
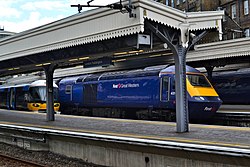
26,162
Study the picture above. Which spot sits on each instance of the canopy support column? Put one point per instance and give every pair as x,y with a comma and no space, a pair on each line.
49,70
178,42
180,89
210,72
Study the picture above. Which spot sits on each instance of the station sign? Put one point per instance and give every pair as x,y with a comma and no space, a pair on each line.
104,62
143,40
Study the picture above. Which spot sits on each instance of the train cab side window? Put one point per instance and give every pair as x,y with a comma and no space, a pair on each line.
68,89
164,91
165,83
173,84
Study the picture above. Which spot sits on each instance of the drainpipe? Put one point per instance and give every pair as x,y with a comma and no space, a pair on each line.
239,13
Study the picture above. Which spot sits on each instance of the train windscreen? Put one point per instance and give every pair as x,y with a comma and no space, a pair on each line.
198,80
38,94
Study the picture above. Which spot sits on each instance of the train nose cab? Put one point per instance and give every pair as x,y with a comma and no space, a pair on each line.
203,99
36,98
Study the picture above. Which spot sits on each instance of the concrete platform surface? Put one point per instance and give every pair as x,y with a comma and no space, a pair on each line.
224,136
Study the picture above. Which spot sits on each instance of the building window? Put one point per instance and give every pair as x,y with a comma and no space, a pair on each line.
247,32
225,37
177,2
246,7
233,35
184,0
233,11
172,3
224,17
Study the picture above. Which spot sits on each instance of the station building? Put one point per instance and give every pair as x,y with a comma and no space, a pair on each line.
236,23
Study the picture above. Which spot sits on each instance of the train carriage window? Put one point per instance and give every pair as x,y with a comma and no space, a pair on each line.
68,89
56,94
12,98
198,80
20,101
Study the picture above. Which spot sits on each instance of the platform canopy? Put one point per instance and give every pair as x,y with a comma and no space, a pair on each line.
101,32
233,49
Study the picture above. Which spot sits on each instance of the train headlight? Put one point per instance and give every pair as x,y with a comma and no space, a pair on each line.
199,98
36,105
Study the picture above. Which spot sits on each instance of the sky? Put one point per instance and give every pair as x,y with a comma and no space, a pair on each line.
21,15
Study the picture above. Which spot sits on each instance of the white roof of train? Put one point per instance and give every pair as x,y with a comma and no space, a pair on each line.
40,83
32,84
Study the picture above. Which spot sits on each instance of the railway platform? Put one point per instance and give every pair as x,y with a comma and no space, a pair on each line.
120,142
234,108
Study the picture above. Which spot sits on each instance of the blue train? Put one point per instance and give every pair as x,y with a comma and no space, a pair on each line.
145,94
233,87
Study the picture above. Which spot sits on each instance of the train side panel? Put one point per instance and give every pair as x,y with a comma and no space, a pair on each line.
4,98
139,91
66,91
65,96
14,98
142,92
70,95
77,94
233,88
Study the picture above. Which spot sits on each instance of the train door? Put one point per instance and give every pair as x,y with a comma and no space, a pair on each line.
12,98
165,88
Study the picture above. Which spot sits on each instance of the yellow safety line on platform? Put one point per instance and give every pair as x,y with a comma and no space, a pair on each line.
172,139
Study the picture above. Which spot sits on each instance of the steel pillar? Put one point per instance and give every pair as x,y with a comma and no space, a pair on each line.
178,42
210,72
180,89
49,70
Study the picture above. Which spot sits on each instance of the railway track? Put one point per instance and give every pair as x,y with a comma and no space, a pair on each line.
234,115
6,160
232,118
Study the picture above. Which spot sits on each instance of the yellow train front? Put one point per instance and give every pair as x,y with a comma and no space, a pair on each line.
27,96
203,101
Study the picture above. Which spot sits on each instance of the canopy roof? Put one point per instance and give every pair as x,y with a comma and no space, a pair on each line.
92,29
102,24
